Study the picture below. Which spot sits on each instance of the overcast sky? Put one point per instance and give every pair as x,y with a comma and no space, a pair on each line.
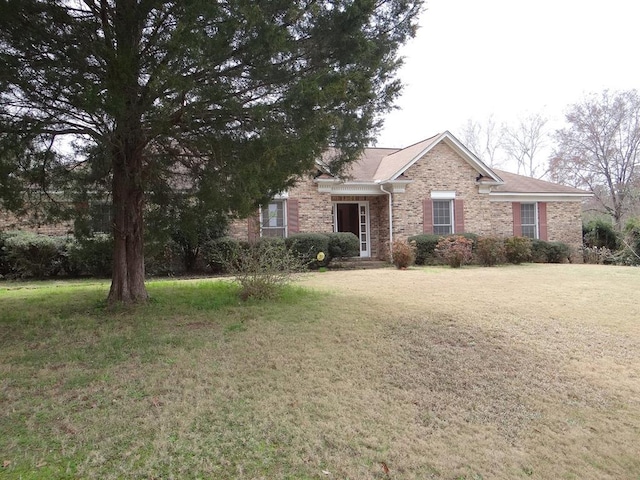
474,58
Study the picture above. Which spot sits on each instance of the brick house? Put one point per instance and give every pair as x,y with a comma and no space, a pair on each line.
434,186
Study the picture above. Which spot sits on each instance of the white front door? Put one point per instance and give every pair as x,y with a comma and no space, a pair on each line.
354,217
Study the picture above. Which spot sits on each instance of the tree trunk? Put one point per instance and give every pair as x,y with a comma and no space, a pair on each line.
127,284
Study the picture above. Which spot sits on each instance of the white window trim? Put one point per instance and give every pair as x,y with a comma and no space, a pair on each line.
535,219
285,226
451,215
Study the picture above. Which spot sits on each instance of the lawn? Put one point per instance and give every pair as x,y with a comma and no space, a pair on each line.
528,371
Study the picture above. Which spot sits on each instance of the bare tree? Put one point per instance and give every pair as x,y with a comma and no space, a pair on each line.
525,141
484,140
599,149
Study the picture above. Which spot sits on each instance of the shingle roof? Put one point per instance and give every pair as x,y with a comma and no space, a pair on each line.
393,163
364,169
383,164
514,183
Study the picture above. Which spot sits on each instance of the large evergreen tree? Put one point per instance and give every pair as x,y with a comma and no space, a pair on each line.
223,100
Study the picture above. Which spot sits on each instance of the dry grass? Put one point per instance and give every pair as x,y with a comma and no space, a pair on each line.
510,372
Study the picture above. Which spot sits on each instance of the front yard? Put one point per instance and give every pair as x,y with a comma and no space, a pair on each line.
508,372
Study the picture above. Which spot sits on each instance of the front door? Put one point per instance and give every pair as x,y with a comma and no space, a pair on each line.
354,218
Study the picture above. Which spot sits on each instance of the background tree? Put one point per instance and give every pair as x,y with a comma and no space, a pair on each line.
524,142
226,101
599,149
484,139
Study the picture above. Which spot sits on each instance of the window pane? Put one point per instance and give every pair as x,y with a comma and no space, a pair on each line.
273,219
528,213
441,230
529,231
273,215
442,217
528,219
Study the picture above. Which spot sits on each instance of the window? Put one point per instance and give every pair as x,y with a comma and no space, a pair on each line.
442,217
101,218
528,217
272,219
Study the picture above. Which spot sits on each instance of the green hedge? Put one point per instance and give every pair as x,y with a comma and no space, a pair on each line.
29,255
343,245
517,249
307,246
91,256
549,252
425,248
490,251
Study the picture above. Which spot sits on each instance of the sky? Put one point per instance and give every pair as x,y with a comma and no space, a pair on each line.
510,58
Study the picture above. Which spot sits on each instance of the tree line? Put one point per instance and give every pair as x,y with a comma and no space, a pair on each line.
597,149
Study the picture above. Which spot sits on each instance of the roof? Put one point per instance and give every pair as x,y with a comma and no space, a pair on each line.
514,183
396,161
382,165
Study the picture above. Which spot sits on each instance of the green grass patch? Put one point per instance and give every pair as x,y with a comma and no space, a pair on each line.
423,370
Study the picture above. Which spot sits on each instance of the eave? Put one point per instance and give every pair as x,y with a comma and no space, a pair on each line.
537,197
335,186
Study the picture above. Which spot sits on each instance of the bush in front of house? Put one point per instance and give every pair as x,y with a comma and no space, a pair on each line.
219,254
29,255
343,245
455,250
307,246
517,249
490,251
91,256
425,245
402,254
549,252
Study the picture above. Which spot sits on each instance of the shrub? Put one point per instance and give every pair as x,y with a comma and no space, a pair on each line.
558,252
490,251
549,252
218,254
425,246
307,246
517,249
597,255
539,251
403,254
31,255
455,250
600,233
631,241
5,268
343,244
163,258
92,256
470,236
261,269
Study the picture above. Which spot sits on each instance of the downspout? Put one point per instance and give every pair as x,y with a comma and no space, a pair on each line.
390,195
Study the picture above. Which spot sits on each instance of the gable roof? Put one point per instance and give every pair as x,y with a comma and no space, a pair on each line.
382,165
